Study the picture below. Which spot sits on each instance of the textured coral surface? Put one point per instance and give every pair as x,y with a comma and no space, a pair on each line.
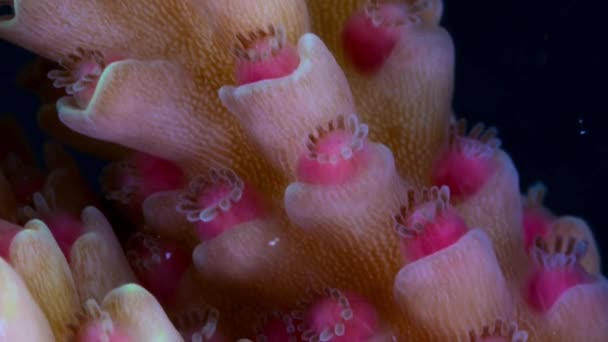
278,170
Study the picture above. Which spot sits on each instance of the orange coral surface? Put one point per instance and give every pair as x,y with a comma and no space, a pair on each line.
279,170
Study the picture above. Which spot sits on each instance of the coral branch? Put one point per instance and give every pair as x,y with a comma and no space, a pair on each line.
21,318
328,18
137,101
407,99
578,315
125,305
564,301
48,120
256,257
496,207
332,164
39,261
97,261
432,291
354,219
56,29
278,114
162,219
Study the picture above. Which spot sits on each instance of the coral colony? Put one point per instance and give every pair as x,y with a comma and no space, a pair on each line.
289,170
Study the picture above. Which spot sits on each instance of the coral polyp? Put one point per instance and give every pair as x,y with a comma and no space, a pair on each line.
428,225
371,34
82,70
278,171
264,55
336,153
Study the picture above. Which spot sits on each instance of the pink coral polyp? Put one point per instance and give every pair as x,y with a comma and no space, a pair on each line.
370,34
220,202
429,225
81,72
468,162
336,153
264,55
556,273
340,317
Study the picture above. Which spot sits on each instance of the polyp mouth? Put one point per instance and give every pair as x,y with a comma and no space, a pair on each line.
7,9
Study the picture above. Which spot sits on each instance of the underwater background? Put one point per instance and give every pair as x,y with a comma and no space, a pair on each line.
536,70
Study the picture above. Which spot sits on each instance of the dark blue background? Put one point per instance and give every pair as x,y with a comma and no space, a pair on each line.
537,71
534,69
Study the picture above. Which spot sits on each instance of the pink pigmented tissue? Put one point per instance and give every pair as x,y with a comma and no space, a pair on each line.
66,229
156,174
356,323
440,231
338,165
152,175
547,285
94,331
6,238
462,171
159,264
370,35
536,223
270,65
248,207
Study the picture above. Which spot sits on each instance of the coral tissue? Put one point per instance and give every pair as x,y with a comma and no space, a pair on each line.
278,170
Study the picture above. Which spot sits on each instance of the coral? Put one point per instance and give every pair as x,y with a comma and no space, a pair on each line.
278,170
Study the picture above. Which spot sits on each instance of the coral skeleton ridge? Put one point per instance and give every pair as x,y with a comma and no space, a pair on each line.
278,171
